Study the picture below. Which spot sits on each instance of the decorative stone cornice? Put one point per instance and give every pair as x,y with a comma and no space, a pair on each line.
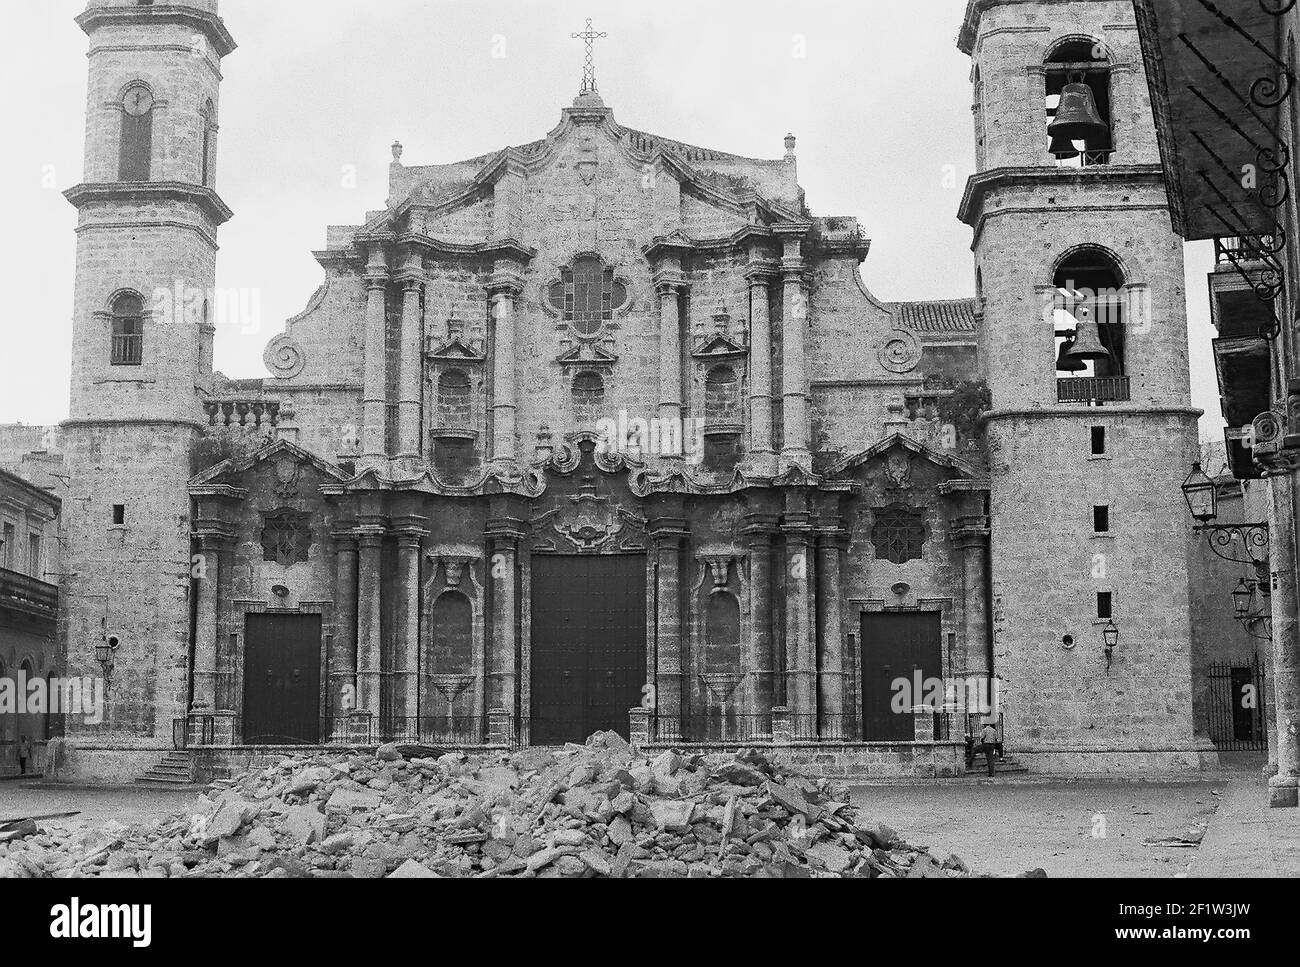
205,199
980,185
209,24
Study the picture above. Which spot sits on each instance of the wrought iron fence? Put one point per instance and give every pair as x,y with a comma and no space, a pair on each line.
442,730
1235,711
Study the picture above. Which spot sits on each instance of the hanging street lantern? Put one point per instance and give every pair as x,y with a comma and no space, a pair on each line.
1201,495
1241,599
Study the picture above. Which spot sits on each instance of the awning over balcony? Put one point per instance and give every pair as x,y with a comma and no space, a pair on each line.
1214,89
1243,368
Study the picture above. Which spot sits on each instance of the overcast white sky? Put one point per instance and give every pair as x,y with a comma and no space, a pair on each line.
880,104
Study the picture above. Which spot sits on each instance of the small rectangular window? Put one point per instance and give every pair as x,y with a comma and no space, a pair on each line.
1101,519
1104,609
7,550
35,566
119,514
1098,441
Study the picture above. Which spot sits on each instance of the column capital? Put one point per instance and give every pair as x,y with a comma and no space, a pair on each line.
508,284
214,535
410,530
832,537
410,279
376,279
505,530
762,273
668,530
669,283
761,527
971,532
344,538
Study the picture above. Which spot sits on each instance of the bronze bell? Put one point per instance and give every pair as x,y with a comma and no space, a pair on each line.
1065,363
1077,117
1087,339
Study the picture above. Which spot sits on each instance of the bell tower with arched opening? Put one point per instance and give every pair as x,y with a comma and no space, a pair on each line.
148,215
1091,428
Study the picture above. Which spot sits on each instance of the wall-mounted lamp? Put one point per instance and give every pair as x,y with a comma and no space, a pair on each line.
104,655
1110,638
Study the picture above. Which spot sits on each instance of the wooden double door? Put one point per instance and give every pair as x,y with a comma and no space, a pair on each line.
282,694
588,664
896,646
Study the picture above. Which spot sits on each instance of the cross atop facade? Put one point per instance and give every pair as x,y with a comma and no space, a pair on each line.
589,36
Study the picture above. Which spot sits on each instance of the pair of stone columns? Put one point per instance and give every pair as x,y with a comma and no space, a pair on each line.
795,388
356,668
374,443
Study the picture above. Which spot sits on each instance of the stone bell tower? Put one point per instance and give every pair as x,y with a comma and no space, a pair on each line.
142,355
1092,428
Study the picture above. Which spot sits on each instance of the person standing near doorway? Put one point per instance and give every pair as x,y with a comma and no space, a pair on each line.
24,754
989,743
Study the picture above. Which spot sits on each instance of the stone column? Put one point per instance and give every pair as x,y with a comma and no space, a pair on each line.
670,368
206,590
800,655
375,393
503,541
830,666
405,664
1284,786
971,535
369,584
503,292
794,356
342,682
409,394
669,534
761,454
758,655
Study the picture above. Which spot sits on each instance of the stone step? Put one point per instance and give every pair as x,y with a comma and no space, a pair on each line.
175,769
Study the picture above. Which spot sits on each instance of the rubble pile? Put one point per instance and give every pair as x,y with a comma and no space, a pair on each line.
599,810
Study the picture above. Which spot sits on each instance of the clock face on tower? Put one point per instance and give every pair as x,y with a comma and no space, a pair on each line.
138,101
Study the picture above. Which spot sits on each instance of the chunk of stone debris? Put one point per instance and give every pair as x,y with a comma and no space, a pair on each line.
411,870
306,824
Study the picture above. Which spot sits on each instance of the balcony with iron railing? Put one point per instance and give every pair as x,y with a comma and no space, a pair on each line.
28,594
1093,390
128,349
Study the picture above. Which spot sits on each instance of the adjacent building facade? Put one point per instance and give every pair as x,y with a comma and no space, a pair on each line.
605,431
1223,78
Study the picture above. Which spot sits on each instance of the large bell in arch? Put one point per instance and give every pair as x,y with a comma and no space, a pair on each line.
1077,117
1087,340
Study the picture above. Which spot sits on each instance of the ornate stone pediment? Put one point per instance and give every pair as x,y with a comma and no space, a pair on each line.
587,355
719,347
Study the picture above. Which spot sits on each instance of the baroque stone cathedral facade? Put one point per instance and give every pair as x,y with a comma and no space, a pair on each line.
605,431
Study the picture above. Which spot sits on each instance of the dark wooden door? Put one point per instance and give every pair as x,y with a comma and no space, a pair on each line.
588,645
282,679
894,646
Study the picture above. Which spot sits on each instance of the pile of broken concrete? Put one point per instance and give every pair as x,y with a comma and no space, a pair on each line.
599,810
